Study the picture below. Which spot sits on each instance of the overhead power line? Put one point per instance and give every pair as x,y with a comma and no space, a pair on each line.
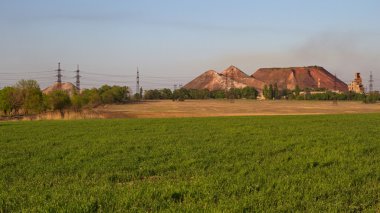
106,75
60,75
23,73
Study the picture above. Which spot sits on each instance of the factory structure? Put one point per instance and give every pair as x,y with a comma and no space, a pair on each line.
357,84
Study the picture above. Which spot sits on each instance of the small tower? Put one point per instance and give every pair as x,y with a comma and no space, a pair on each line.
371,83
59,76
138,82
77,82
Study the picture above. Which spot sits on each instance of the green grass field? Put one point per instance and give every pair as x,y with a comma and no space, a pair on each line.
271,164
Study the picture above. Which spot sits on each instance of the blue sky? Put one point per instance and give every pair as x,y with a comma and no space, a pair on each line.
173,41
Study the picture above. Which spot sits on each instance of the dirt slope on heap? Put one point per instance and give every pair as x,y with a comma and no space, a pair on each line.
66,86
213,80
304,77
286,78
239,76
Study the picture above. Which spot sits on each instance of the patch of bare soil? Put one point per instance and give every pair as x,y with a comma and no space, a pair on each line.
210,108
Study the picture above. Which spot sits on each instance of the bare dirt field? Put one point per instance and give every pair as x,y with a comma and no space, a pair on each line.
208,108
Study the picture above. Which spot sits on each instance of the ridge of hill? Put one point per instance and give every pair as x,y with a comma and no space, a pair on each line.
285,78
232,77
304,77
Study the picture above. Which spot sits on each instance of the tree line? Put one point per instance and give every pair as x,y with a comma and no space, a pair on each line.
272,92
26,98
183,94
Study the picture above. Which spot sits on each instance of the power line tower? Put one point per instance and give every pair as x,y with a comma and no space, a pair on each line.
138,82
59,75
370,83
77,76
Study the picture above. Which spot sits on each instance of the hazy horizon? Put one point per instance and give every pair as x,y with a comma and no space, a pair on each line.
172,42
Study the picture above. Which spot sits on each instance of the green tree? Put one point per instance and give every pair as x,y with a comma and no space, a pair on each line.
91,97
10,101
45,102
104,88
307,95
270,92
30,96
114,94
276,92
249,93
107,96
120,94
152,94
76,102
181,94
235,93
199,94
266,92
137,96
372,97
59,100
6,100
166,93
218,94
297,90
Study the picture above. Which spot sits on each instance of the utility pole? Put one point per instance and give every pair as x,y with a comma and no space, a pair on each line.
138,83
370,83
77,82
59,75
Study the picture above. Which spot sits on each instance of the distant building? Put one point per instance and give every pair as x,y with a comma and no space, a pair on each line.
357,84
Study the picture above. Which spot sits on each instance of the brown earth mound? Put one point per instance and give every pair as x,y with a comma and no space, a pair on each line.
66,86
212,81
285,78
304,77
239,76
231,77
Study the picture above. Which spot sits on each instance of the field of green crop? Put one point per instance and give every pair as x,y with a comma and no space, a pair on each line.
274,163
